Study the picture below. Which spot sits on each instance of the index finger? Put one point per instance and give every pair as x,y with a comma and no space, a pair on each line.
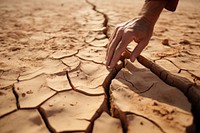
126,39
113,45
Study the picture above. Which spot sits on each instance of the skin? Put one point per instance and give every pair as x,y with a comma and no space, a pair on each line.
139,29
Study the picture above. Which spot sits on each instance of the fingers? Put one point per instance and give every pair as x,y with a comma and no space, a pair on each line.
138,49
121,47
115,31
113,44
136,30
114,34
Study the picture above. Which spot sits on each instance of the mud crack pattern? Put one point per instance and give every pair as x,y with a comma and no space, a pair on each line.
53,76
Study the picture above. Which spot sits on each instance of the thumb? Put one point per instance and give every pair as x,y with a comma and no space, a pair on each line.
138,49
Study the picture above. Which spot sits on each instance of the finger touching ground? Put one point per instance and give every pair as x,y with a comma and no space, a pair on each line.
112,46
110,39
138,49
114,34
120,49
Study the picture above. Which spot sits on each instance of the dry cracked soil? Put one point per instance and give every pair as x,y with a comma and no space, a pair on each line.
53,76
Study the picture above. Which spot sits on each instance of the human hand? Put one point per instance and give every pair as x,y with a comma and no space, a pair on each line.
140,30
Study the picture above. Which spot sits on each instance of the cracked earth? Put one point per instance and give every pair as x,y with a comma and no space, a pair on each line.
53,77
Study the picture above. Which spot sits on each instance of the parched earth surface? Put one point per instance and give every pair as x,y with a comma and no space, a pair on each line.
53,76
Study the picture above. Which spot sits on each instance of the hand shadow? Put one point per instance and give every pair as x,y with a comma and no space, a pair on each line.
147,85
143,82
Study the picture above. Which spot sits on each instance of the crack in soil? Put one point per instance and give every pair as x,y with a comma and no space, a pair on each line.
70,82
16,97
80,91
106,85
44,118
105,22
112,74
174,81
89,60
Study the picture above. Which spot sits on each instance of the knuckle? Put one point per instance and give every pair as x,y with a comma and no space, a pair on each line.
119,27
128,31
120,30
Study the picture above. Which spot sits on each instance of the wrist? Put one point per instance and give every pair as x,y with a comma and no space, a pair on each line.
152,9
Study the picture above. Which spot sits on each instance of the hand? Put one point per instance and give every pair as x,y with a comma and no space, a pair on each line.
140,30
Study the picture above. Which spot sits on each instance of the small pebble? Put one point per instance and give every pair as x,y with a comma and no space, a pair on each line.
23,94
185,42
165,42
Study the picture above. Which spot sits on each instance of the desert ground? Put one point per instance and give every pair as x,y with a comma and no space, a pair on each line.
53,76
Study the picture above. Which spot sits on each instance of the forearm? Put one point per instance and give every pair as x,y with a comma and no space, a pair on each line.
152,9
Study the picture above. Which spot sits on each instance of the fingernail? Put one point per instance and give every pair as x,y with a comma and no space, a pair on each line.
133,59
110,67
107,64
